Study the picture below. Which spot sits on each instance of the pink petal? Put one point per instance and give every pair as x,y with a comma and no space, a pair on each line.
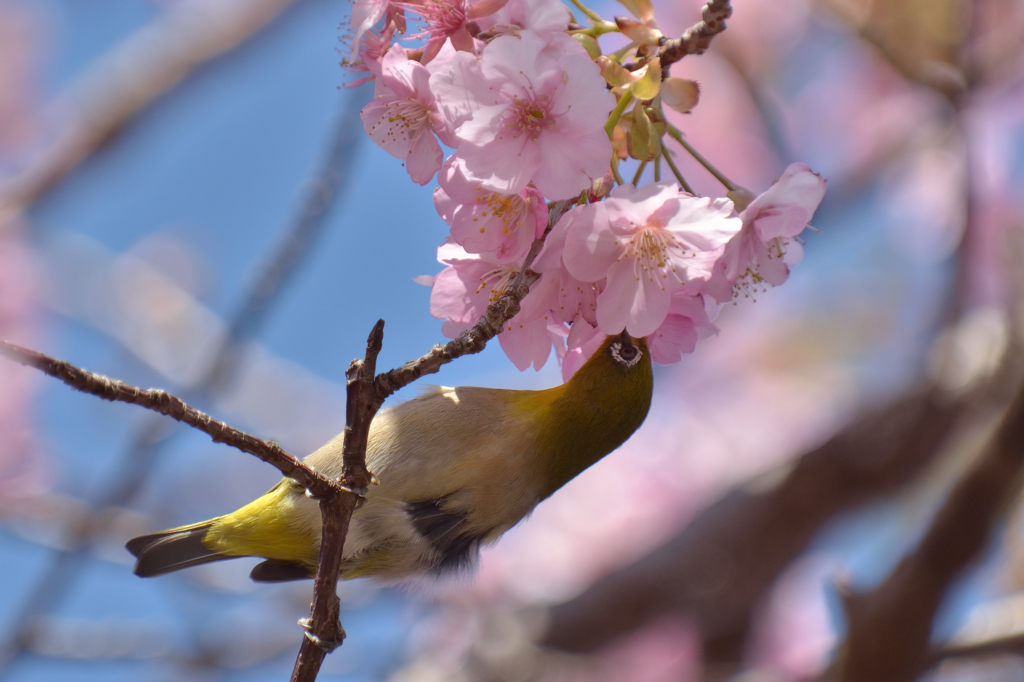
460,88
676,335
798,188
424,158
449,297
637,304
583,340
771,264
568,164
526,343
590,245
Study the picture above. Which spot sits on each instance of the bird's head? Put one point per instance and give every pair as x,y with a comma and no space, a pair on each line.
593,413
621,364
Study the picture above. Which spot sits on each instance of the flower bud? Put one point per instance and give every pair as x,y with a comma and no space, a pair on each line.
648,82
642,139
614,73
641,9
639,32
602,187
589,44
680,94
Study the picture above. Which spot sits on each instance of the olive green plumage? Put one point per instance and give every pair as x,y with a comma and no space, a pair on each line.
457,468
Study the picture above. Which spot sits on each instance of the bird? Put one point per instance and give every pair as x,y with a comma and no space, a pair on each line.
457,467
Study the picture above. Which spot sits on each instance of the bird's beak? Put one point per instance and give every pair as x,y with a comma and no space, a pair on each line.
625,337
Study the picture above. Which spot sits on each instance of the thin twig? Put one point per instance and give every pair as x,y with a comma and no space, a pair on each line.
697,38
338,499
639,172
667,153
366,394
324,632
173,407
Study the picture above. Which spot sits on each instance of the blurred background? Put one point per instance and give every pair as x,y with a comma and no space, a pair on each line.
187,201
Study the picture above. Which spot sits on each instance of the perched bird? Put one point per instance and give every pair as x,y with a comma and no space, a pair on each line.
457,468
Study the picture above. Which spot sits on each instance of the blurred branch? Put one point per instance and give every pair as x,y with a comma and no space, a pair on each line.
889,627
137,460
320,196
697,38
1012,643
720,565
130,77
945,79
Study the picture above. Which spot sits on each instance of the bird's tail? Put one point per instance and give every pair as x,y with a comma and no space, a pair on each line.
174,549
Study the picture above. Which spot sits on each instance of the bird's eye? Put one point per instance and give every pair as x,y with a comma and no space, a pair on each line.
627,354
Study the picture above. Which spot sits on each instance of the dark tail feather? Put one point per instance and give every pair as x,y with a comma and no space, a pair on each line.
273,571
172,550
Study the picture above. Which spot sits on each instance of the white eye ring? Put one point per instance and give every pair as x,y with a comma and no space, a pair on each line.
616,350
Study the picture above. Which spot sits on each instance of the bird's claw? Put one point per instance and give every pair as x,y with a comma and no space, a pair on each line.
326,645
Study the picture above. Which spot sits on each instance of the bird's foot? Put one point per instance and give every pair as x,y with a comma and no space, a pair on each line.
327,645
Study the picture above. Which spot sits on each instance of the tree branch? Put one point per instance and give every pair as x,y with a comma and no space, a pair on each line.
366,394
474,340
1007,643
718,567
167,404
324,632
888,633
697,38
129,78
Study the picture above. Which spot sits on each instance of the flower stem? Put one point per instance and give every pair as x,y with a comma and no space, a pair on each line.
677,135
597,30
675,171
657,168
617,112
619,55
615,170
591,14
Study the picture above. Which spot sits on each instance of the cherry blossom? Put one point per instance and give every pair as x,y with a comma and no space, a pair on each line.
365,15
462,291
525,107
528,110
540,16
567,296
448,20
686,323
648,242
402,117
501,225
767,246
